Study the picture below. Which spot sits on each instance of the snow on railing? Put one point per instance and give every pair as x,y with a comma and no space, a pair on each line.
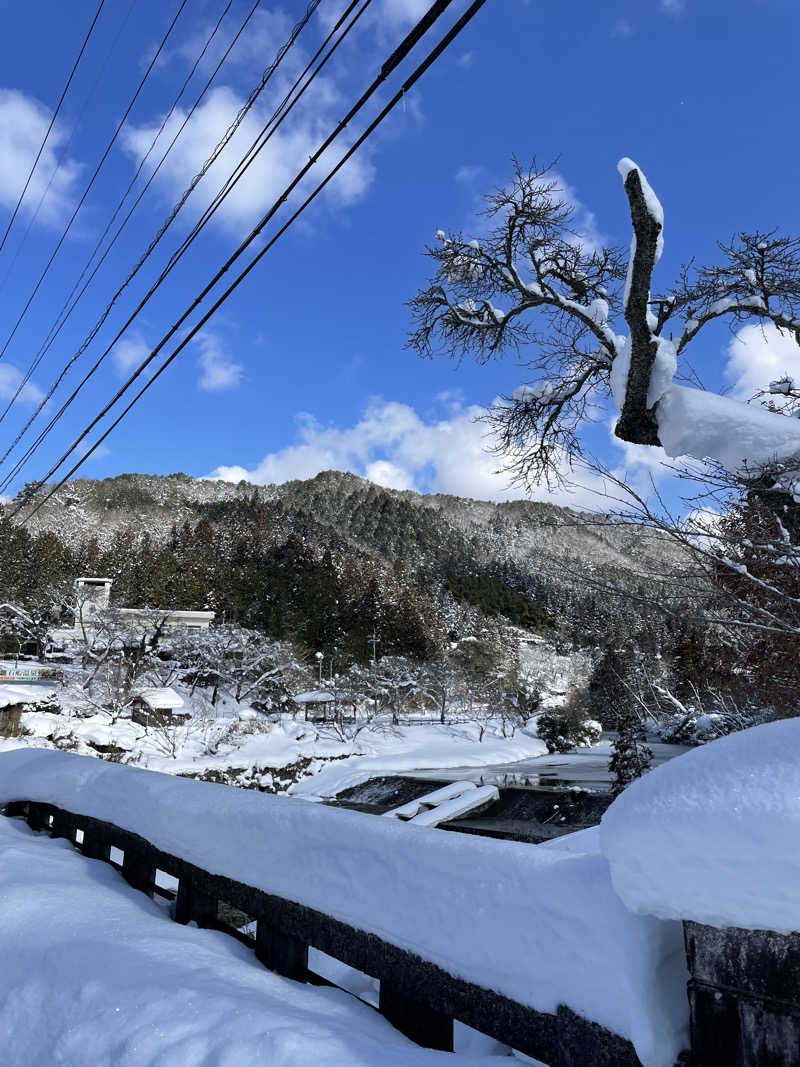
529,945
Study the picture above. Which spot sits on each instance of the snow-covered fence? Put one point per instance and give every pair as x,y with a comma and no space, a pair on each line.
530,945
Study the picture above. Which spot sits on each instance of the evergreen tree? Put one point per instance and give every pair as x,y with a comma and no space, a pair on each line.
631,756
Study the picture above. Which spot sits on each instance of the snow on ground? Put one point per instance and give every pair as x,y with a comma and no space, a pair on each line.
417,748
543,926
712,836
101,975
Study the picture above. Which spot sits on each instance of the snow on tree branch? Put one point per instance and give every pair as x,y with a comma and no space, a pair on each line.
586,328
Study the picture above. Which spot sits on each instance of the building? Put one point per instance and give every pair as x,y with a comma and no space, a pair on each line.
158,707
94,594
320,705
91,595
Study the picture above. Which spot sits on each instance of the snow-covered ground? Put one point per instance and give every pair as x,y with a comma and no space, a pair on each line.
102,976
542,926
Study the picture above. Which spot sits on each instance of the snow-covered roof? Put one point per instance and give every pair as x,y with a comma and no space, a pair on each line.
23,694
161,699
314,696
321,696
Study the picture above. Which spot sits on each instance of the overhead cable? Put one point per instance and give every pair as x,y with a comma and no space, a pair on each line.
407,85
97,169
52,123
270,128
66,310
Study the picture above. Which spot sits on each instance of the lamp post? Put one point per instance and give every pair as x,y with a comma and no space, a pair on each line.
319,656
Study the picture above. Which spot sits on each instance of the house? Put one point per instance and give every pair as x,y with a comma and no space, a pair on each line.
158,707
14,699
320,705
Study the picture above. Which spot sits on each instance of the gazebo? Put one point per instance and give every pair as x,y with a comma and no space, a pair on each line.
321,705
157,707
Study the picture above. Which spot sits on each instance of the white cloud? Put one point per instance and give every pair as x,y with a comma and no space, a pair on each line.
393,446
465,60
129,353
622,28
10,378
23,124
759,354
219,372
673,7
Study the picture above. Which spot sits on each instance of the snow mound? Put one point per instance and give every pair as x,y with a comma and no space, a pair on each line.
712,835
543,927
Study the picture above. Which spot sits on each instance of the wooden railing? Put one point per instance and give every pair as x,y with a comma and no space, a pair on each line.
418,997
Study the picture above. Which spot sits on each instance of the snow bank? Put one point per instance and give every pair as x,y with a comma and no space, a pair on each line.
542,926
101,975
410,748
713,835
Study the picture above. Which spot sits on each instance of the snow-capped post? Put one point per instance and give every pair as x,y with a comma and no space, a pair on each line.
637,421
710,839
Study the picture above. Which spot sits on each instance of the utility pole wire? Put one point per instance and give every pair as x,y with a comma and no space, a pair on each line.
395,59
52,122
60,322
86,191
270,128
82,110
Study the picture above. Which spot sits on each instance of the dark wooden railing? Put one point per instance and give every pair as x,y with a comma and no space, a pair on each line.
416,996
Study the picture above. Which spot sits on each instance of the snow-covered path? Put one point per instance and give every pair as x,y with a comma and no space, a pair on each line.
96,973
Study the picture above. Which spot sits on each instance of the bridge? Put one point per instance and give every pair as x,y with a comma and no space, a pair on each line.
529,945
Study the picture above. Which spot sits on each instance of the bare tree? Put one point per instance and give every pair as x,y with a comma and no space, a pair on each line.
583,326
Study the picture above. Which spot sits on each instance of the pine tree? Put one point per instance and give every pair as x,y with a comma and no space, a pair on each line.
631,756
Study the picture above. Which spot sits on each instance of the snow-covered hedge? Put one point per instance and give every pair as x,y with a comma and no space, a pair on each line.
713,836
543,926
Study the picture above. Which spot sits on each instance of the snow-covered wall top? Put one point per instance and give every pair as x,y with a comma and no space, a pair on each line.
713,836
542,926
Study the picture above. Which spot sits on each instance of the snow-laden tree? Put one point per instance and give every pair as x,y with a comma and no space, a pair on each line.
244,664
588,328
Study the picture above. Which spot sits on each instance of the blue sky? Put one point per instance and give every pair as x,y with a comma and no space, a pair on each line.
305,367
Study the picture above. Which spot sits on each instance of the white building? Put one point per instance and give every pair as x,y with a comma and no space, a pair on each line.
94,594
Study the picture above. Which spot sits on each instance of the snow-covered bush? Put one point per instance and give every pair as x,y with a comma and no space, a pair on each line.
569,726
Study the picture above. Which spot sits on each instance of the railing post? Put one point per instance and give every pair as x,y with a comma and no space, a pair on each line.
281,953
35,816
744,996
63,825
138,869
423,1025
193,905
95,845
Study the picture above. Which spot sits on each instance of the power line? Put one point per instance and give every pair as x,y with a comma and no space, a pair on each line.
83,109
52,122
270,128
408,84
86,191
60,321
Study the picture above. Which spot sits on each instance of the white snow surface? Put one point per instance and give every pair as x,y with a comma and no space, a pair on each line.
712,836
102,976
706,425
456,806
423,747
24,694
544,927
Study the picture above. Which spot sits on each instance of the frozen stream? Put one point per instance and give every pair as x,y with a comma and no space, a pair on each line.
585,768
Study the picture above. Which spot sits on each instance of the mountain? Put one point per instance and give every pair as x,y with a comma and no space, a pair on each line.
513,559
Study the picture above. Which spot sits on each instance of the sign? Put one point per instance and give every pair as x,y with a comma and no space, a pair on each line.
29,675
